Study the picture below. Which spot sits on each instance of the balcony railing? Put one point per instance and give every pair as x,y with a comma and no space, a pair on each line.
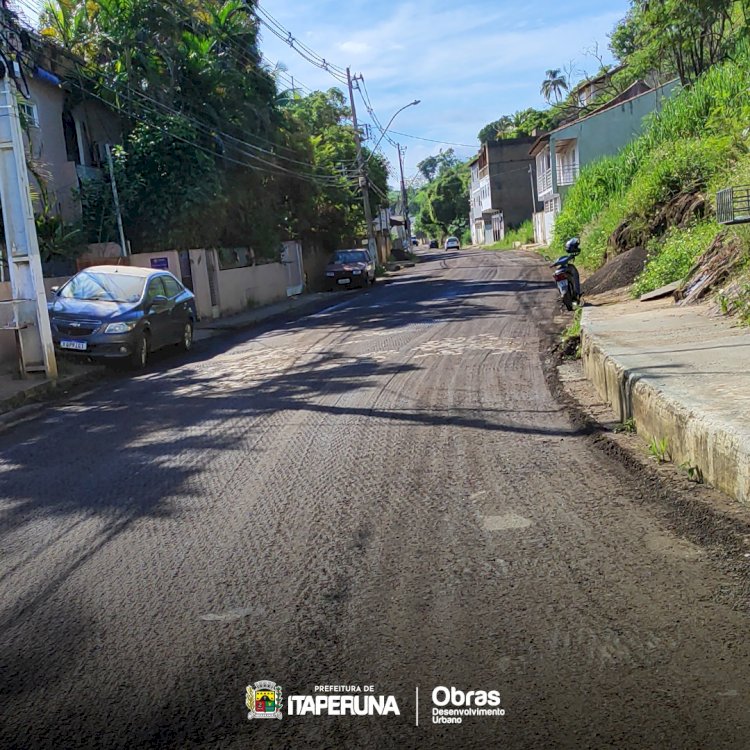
567,174
733,205
544,182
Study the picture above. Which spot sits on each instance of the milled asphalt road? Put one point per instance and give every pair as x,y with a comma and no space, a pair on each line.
383,494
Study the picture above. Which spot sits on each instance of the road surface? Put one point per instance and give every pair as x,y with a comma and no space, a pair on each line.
382,494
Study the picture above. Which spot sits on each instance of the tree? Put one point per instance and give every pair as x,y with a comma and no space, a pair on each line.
444,205
334,214
521,123
234,159
685,37
554,84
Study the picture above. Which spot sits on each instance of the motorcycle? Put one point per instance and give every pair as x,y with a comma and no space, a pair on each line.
566,275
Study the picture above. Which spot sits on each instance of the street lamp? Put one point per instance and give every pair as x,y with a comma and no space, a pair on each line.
390,122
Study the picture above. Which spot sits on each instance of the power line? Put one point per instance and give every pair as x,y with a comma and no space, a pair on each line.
286,36
431,140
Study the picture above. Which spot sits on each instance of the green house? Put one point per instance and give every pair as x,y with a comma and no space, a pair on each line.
562,153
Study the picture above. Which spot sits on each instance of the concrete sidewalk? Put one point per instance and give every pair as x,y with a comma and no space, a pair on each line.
683,376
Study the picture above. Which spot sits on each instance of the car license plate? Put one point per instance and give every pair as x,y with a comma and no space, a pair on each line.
345,281
80,346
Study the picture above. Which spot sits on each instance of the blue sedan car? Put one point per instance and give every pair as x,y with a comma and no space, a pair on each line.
120,314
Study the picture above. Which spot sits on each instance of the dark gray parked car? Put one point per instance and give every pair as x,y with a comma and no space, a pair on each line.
118,314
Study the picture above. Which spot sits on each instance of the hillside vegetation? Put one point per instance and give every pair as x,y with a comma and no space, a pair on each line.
659,191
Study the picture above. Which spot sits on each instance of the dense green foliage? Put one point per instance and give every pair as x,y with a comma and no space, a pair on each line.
523,234
444,202
682,37
233,158
672,256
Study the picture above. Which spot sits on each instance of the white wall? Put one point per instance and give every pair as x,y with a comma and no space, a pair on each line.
242,288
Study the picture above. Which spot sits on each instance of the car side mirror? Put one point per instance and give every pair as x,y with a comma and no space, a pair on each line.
158,302
54,289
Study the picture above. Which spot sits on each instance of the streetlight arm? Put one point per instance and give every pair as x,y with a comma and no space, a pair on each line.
385,129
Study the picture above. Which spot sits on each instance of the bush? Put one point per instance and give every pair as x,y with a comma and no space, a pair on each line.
671,257
523,234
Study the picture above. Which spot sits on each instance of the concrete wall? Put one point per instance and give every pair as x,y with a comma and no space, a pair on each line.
168,260
509,162
241,288
48,149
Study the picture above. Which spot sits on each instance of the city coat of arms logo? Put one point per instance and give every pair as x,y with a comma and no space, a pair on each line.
263,698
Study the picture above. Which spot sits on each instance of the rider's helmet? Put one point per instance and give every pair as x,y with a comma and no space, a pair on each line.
573,246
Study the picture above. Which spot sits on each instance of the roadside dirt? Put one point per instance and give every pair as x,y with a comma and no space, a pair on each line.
618,272
694,511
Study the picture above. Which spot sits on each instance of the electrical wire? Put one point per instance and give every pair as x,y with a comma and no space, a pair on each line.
268,167
286,36
432,140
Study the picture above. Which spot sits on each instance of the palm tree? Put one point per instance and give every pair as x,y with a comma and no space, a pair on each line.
503,126
554,84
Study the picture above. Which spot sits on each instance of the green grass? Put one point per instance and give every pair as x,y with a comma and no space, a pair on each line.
524,234
671,257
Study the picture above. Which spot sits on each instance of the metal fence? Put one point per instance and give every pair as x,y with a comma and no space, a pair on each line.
733,205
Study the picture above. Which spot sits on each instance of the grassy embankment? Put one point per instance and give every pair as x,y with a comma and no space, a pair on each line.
698,144
523,234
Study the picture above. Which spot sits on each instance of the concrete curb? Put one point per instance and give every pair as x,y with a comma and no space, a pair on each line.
291,311
28,403
695,439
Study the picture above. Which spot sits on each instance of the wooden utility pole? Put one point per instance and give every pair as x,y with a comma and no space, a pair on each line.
404,198
363,182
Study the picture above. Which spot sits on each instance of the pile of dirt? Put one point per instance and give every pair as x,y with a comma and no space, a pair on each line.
620,271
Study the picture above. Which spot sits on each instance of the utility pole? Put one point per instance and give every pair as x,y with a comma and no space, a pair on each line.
116,199
533,195
404,197
363,183
31,319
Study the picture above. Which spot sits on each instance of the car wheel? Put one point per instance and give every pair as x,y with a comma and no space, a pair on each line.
186,342
139,357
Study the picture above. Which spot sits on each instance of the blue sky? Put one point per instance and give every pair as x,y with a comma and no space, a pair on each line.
468,62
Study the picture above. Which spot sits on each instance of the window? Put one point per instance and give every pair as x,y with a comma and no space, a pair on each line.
155,289
103,287
235,257
172,286
29,113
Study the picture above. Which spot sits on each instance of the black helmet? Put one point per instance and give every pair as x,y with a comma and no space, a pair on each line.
573,246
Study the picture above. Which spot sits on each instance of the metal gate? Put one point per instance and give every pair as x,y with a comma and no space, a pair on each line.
291,257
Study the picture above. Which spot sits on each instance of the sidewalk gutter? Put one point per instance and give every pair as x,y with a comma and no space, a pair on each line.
299,306
23,399
681,376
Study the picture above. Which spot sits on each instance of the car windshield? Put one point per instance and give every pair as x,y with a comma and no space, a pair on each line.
105,287
350,256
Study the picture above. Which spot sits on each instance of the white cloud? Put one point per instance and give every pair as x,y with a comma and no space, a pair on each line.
468,63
